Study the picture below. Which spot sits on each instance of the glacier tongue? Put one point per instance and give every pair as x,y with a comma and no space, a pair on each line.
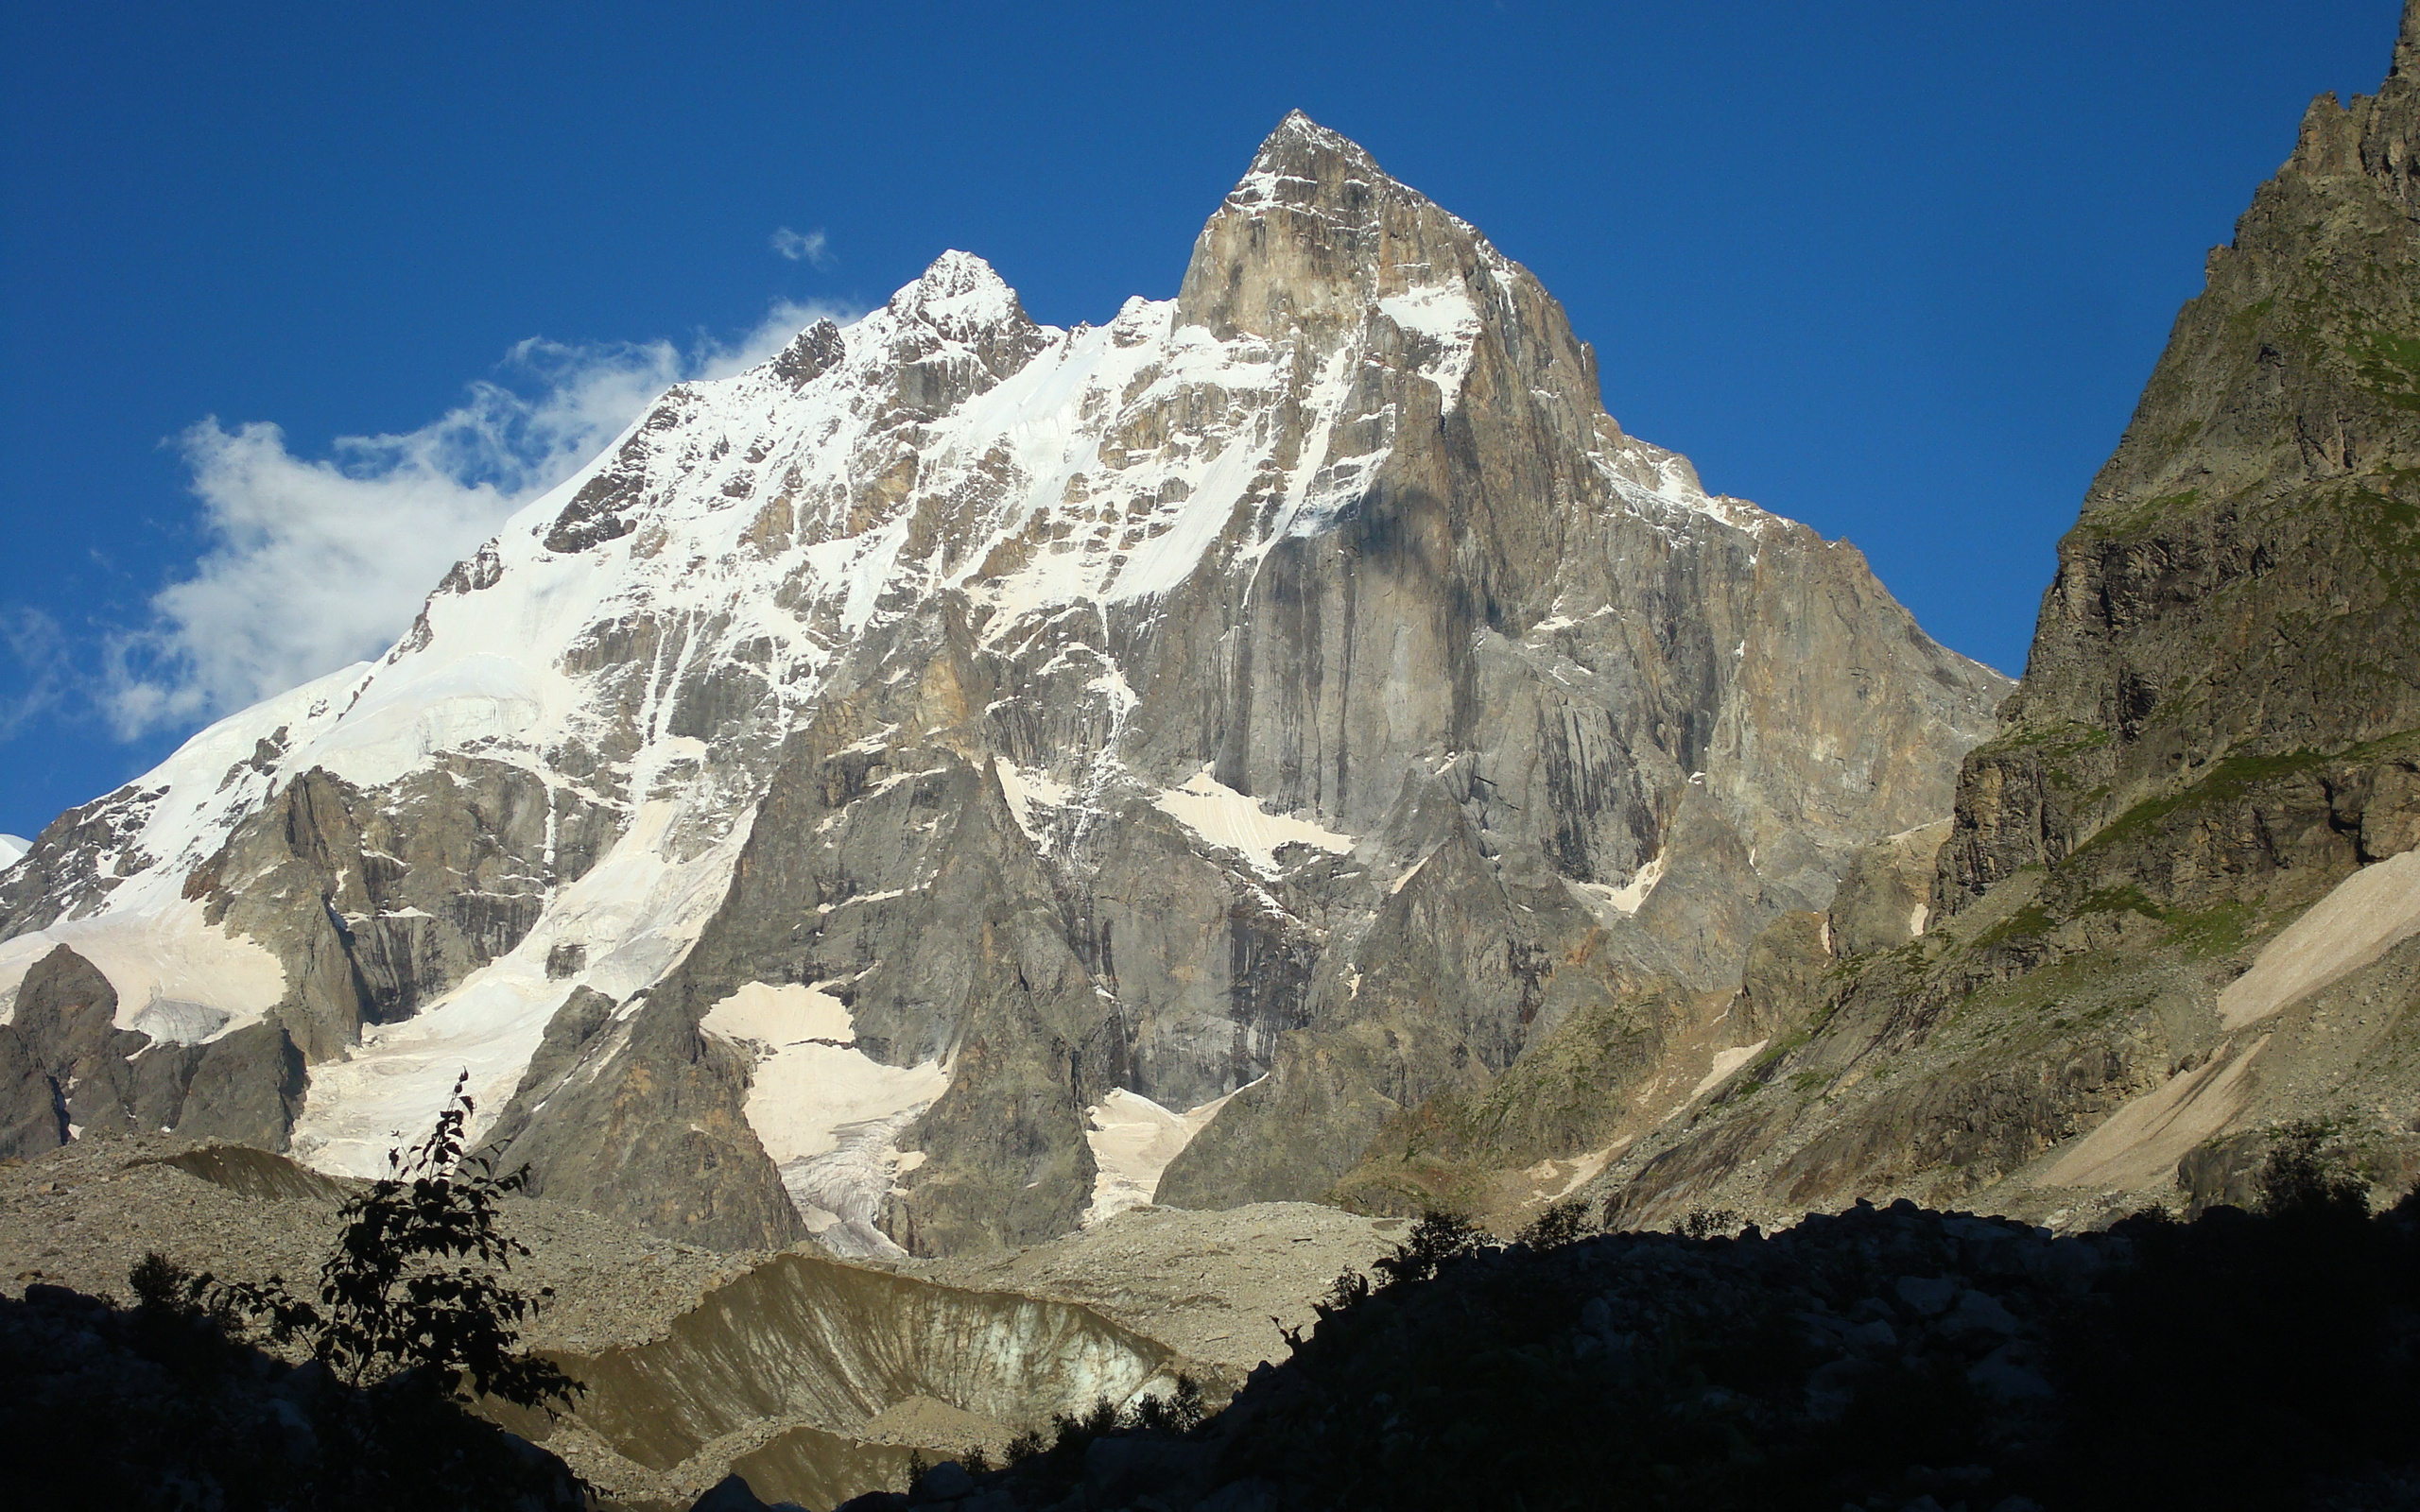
1079,711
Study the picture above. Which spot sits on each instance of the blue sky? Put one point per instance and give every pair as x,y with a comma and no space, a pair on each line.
1897,271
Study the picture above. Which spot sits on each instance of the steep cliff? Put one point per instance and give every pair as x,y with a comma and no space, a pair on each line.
2173,907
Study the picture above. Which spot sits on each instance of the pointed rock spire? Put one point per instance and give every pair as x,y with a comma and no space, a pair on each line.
811,353
960,299
1305,164
1312,233
959,293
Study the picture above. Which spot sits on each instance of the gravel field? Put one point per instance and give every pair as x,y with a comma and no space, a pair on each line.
1214,1286
82,1215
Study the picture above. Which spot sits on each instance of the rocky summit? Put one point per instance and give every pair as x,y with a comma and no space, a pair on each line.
965,777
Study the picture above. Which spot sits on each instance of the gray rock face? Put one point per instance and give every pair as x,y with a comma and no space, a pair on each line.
1885,898
29,1111
417,885
2239,586
67,1069
2219,726
648,1122
1299,694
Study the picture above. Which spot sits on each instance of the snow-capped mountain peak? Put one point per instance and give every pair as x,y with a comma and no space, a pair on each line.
1061,712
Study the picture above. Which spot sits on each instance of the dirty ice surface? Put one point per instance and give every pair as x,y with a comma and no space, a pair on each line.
828,1113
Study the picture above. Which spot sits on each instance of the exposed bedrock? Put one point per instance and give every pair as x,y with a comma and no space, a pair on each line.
66,1069
415,886
649,1123
2172,911
373,903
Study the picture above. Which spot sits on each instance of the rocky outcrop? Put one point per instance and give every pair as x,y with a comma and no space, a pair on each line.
654,1129
65,1057
2240,585
2217,734
30,1120
417,883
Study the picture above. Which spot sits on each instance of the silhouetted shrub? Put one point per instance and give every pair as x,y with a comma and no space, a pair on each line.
1709,1223
2301,1176
1562,1223
1058,1460
1436,1239
396,1301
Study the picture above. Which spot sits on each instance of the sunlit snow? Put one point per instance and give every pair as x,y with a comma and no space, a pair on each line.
1132,1141
1225,817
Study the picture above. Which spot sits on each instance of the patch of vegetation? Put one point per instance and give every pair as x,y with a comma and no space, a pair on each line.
2064,738
2029,922
413,1297
1056,1459
2214,931
2386,529
1709,1223
2120,899
2228,783
2388,365
2144,514
1563,1223
2303,1175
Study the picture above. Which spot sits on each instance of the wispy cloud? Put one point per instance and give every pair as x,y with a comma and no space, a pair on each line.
317,562
44,668
811,247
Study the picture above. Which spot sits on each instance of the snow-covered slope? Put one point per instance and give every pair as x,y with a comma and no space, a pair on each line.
1248,581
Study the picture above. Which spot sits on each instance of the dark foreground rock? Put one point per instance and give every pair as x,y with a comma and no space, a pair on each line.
153,1408
1880,1358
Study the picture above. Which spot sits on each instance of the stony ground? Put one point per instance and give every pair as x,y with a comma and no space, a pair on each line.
1217,1286
81,1216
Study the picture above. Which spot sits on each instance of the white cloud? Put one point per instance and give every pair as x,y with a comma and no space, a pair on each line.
808,246
317,562
43,673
